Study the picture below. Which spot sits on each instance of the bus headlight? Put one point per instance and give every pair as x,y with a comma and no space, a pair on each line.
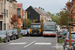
39,30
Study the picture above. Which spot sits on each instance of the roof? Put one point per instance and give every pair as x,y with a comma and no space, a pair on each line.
33,9
40,11
51,23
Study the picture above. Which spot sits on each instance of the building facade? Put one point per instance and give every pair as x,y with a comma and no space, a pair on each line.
7,9
20,15
37,14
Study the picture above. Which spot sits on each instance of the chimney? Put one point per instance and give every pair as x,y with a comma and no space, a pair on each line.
43,8
39,7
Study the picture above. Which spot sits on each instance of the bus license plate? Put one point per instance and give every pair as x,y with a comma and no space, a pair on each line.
34,33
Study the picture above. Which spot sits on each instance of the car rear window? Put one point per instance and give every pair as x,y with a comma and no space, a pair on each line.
72,36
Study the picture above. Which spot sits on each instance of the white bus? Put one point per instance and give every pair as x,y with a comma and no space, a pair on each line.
49,29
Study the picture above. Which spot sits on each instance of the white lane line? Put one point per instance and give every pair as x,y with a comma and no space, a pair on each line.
17,43
42,43
29,44
57,47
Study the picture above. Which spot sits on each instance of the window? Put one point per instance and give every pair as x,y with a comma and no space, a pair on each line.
5,1
4,26
1,7
14,6
7,13
11,5
11,15
18,12
10,1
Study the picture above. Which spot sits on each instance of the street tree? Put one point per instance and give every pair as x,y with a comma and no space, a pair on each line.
26,23
66,14
14,21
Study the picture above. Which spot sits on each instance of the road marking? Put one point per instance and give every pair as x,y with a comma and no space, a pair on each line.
17,43
29,44
42,43
57,46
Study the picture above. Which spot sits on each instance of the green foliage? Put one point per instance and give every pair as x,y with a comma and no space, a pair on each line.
26,23
55,18
19,30
20,36
60,40
65,18
1,40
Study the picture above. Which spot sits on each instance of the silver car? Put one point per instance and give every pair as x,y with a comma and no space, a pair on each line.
24,32
66,40
5,36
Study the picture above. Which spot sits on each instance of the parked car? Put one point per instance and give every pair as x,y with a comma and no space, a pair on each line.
13,33
59,34
24,32
10,34
16,33
66,40
65,32
28,31
5,36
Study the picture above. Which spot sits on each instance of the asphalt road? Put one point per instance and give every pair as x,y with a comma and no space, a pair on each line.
31,43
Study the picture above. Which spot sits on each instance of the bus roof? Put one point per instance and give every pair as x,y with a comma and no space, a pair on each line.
50,23
35,23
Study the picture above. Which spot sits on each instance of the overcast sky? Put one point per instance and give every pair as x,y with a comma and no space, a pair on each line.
53,6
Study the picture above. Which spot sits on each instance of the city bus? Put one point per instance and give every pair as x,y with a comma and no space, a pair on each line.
49,29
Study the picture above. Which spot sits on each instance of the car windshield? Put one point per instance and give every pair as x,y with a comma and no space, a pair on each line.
35,26
23,30
15,30
10,32
60,32
49,28
2,32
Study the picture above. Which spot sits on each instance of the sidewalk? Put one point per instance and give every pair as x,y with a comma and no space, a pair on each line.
60,46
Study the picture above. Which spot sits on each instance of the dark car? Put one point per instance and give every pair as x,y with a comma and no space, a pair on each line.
16,33
24,32
66,40
60,34
5,36
10,34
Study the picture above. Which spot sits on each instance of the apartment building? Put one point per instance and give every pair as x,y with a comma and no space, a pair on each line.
20,15
7,9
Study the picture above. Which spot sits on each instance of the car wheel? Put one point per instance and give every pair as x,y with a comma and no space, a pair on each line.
8,39
14,37
5,40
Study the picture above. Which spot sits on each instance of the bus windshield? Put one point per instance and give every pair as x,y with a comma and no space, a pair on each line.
49,28
38,26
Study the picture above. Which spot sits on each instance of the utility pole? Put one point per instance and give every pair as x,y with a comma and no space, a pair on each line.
69,36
